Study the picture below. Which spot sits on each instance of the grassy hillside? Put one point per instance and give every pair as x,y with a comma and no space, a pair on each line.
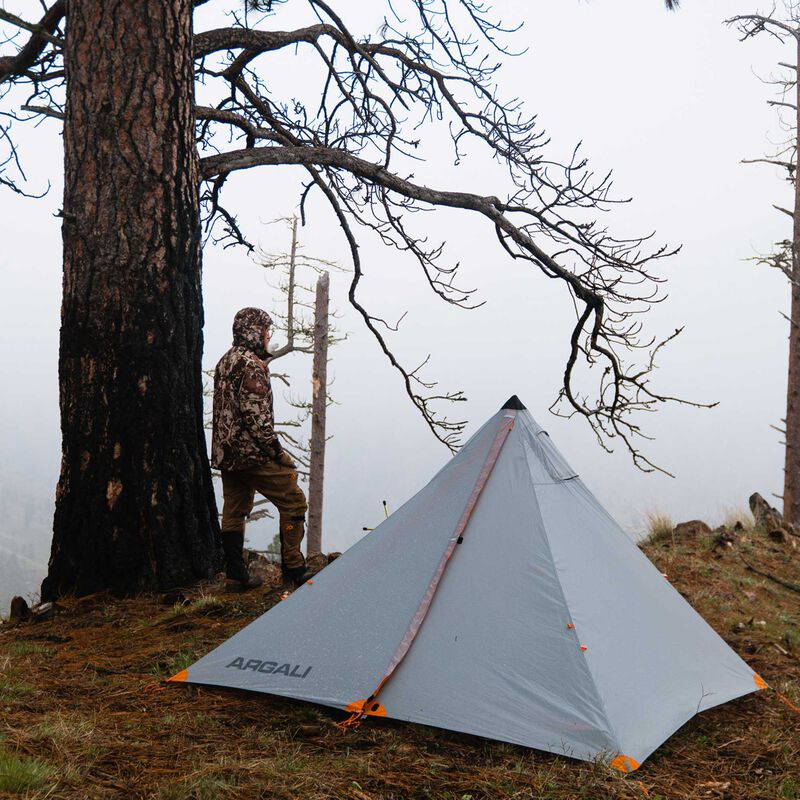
85,712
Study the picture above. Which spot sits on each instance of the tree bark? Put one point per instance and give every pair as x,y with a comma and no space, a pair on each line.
791,486
319,382
135,506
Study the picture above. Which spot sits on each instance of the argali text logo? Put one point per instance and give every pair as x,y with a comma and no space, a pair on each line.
269,667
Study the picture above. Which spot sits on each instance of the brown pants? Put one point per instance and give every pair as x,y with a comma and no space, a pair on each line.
279,485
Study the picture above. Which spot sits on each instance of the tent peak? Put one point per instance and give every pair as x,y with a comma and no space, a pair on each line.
514,402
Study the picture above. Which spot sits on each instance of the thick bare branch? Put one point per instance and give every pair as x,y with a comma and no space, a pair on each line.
775,163
592,321
12,66
237,121
752,24
44,111
256,41
488,205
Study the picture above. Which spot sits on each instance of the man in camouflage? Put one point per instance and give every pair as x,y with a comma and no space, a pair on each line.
247,451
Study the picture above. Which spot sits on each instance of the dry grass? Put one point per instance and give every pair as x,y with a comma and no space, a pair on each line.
91,711
205,604
658,526
733,514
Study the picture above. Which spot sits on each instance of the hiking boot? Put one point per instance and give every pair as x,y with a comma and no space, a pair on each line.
235,568
294,577
250,582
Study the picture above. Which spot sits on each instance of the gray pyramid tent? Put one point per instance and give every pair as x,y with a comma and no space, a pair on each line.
503,601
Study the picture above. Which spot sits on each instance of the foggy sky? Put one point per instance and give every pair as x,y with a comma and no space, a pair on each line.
670,102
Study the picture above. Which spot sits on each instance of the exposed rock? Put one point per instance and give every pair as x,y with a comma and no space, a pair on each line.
254,557
726,537
44,612
316,562
19,610
764,515
694,527
333,557
782,536
778,535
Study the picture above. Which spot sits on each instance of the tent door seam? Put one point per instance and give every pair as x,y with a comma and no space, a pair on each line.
458,536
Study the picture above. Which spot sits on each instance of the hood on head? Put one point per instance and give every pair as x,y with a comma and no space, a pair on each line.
248,329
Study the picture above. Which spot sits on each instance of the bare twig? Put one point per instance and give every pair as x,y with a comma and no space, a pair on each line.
786,584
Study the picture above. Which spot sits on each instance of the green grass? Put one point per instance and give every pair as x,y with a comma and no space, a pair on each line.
21,774
207,722
291,763
204,605
23,648
789,789
14,690
63,729
203,788
169,665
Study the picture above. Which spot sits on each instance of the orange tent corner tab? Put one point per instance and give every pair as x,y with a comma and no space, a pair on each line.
625,764
374,709
181,677
759,681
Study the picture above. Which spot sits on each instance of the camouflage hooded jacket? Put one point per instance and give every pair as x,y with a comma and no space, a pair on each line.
244,425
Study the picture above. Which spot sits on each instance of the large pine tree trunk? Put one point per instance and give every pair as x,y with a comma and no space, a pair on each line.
135,505
791,486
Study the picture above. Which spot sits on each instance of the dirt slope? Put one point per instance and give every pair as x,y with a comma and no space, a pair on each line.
85,712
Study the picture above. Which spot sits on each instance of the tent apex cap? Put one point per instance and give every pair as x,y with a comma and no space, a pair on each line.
514,402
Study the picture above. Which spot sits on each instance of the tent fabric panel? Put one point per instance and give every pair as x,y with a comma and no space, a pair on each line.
495,656
655,661
347,625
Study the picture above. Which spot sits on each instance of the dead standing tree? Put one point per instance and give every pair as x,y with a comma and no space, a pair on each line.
786,256
292,320
308,329
135,507
306,324
319,413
